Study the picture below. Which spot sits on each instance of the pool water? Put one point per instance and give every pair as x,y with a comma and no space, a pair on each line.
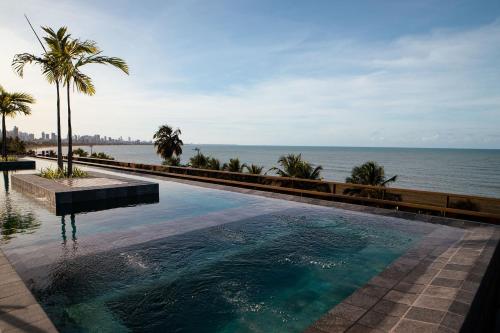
200,260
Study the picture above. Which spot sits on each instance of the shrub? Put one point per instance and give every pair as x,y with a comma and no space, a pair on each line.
102,156
55,173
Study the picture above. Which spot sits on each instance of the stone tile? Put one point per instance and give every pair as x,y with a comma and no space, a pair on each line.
465,296
347,311
332,323
361,300
383,282
458,267
373,290
459,308
357,328
391,308
446,283
42,326
412,326
426,315
400,297
420,278
454,275
409,287
435,303
442,292
16,301
13,288
379,321
453,321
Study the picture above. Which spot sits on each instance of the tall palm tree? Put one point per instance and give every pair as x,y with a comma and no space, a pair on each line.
52,70
255,169
234,165
292,165
370,173
168,142
73,55
10,105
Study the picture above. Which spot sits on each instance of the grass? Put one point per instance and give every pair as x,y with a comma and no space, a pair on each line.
54,173
8,159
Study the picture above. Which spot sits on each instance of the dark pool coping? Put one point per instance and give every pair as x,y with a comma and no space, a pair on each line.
428,289
63,199
19,310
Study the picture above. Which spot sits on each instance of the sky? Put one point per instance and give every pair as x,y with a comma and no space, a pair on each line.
327,73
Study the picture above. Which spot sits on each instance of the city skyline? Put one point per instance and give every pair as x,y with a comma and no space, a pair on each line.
51,137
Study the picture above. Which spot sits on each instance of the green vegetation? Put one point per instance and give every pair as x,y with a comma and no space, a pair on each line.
234,165
12,104
213,164
80,152
8,159
199,161
62,62
172,161
15,146
293,165
52,72
168,144
102,156
370,173
255,169
51,173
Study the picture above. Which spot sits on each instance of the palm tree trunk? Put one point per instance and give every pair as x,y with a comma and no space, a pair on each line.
70,135
59,142
4,138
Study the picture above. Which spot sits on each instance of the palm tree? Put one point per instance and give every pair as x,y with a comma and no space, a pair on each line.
255,169
172,161
51,69
234,165
168,142
199,160
10,105
73,54
293,165
370,173
213,164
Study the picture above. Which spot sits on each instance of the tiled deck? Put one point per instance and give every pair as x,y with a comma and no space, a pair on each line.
19,310
429,289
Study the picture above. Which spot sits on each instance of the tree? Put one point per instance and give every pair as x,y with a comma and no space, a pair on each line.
52,71
370,173
168,142
254,169
199,161
292,165
172,161
80,152
234,165
73,55
213,164
12,104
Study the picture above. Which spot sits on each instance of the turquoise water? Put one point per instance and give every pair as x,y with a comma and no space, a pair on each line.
468,171
200,260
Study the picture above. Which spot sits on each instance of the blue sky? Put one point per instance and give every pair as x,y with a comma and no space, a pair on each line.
337,73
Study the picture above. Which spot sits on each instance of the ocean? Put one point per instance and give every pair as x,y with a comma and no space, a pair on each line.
466,171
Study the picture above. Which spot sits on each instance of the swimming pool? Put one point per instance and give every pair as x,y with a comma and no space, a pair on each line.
200,260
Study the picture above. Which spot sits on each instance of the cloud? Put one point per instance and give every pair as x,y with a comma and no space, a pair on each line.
432,89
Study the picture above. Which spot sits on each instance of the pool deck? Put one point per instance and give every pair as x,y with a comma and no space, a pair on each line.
428,289
19,310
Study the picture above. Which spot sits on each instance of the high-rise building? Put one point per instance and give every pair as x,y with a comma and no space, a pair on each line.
53,136
15,132
43,136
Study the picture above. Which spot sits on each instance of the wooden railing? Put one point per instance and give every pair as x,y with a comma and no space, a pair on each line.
463,206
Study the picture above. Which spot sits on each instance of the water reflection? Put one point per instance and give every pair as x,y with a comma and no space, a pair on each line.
12,221
74,243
